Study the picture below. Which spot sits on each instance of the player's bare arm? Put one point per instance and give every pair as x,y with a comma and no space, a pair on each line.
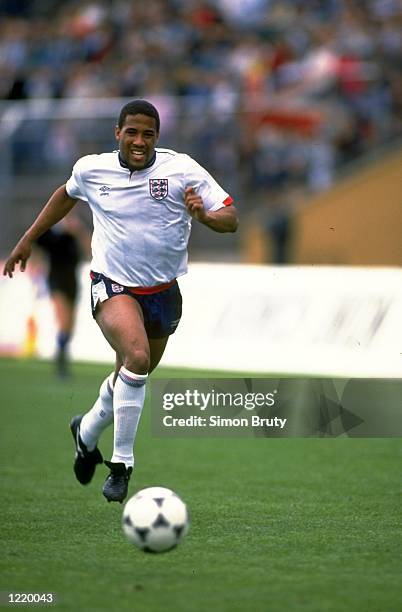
222,220
58,205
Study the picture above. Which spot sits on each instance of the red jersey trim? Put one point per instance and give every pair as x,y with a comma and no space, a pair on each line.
154,289
143,290
228,201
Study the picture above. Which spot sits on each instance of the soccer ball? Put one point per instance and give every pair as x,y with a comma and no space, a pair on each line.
155,519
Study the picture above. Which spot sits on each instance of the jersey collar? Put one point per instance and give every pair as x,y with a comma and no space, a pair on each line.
124,164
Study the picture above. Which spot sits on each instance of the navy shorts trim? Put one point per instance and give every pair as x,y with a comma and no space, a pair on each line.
161,310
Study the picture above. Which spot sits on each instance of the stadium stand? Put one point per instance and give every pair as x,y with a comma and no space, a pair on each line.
274,96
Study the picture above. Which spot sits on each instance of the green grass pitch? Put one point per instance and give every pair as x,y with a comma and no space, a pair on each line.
288,525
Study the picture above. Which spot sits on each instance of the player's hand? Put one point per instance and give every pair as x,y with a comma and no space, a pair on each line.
194,204
20,254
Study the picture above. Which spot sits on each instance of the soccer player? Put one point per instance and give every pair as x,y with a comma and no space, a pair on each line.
143,200
64,244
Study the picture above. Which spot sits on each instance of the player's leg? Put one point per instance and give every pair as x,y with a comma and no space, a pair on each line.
100,416
96,420
156,348
64,310
162,312
121,322
87,429
169,307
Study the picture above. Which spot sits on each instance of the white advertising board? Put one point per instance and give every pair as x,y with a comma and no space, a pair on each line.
308,320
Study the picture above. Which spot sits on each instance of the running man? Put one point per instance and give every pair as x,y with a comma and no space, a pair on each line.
143,200
65,244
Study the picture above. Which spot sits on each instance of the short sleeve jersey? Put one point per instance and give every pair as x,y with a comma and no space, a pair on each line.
141,224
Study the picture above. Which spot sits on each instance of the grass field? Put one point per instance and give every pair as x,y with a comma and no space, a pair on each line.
277,525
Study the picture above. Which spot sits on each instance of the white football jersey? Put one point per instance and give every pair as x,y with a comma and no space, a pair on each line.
141,224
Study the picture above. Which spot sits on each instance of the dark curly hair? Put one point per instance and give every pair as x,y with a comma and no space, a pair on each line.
136,107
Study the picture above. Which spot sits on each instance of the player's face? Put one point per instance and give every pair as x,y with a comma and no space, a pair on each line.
137,139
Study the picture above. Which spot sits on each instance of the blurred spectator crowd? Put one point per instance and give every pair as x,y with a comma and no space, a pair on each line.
273,94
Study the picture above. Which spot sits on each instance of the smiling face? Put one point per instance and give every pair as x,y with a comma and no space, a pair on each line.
137,139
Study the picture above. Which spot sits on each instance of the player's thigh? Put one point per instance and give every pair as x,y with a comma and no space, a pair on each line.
121,321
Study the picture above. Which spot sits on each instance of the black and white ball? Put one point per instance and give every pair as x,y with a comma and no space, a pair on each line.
155,519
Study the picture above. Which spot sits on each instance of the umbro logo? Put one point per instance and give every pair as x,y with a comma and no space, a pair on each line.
104,190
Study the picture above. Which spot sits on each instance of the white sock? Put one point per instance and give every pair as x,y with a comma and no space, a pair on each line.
128,400
100,415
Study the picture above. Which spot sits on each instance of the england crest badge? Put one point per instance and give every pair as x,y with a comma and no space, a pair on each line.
158,188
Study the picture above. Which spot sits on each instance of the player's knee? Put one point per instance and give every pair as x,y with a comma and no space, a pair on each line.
137,360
